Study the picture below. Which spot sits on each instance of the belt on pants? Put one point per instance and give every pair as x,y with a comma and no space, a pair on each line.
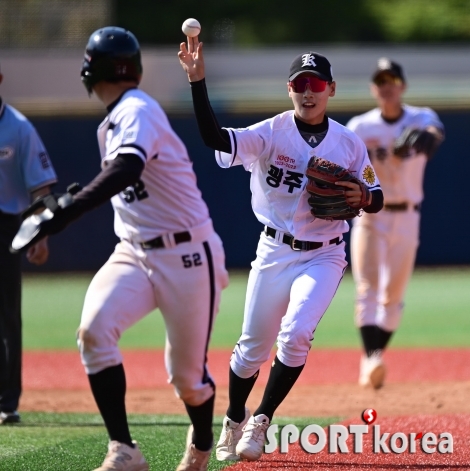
401,206
295,244
159,243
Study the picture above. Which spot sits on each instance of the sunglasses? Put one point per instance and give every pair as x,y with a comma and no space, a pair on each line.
379,81
299,84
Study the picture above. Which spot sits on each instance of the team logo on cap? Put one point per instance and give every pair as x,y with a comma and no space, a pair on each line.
384,63
368,175
308,60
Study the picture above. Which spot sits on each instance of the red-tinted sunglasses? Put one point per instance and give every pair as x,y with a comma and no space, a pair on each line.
299,84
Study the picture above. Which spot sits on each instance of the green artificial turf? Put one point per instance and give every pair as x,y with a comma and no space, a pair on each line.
77,442
436,313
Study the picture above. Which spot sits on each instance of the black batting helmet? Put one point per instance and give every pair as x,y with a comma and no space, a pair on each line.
112,54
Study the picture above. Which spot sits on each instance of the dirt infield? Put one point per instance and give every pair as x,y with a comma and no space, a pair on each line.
297,459
426,391
419,382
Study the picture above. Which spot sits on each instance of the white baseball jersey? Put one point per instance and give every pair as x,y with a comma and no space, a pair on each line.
383,245
166,199
401,179
183,280
277,156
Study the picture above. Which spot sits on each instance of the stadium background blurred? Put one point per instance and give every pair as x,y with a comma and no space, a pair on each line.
249,46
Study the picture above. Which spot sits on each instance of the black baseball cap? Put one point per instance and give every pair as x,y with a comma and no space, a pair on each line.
312,63
385,65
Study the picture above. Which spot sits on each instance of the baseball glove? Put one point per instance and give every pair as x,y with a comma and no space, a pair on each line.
327,200
423,142
58,212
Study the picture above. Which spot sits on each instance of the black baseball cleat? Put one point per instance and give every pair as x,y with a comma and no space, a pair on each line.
9,418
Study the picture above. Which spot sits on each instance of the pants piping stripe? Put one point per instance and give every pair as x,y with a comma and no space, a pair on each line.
339,282
210,264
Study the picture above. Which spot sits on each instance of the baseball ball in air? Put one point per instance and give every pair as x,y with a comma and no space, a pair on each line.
191,27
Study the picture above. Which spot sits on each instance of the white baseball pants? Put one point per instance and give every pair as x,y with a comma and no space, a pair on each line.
383,252
184,282
288,292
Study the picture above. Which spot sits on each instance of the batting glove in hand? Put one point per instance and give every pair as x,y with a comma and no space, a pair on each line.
421,141
58,212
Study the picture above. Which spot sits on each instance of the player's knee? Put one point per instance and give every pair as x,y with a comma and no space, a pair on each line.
390,323
96,353
293,355
86,339
245,362
193,394
389,319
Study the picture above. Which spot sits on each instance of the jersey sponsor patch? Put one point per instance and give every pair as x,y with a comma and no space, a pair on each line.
368,175
6,152
286,161
44,159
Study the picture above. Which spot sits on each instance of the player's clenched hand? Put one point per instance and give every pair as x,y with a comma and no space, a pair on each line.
354,196
192,59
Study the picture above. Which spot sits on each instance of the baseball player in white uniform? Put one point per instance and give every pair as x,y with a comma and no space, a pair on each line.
169,256
300,259
383,246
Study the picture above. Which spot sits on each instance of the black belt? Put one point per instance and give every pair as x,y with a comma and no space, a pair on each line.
401,206
158,242
295,244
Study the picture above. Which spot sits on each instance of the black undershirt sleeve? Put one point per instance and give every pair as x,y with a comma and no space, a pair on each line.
219,139
377,202
212,134
123,171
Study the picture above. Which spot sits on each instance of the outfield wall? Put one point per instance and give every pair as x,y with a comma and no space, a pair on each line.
86,244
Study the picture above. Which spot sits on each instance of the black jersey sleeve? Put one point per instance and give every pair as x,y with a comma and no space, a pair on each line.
377,202
123,171
212,134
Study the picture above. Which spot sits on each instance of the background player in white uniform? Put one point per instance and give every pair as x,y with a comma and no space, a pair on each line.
169,256
300,260
25,173
383,246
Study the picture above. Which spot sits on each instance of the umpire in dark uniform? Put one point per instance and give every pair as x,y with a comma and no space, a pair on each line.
25,173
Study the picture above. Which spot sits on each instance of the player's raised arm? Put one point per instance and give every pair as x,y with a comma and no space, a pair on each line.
192,60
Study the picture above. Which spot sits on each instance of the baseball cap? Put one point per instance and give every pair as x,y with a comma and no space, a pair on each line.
384,64
313,63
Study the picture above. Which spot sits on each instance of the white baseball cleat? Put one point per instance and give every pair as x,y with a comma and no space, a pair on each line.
251,445
122,457
372,370
193,459
229,437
